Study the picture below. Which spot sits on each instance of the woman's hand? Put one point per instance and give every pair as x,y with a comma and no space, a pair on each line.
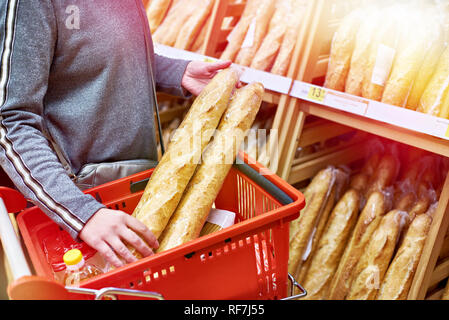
107,230
198,74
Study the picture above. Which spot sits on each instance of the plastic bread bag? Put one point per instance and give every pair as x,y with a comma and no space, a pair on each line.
416,40
360,54
268,50
386,172
374,261
399,276
324,261
256,32
434,96
338,189
437,38
382,53
342,46
294,21
301,230
374,151
376,206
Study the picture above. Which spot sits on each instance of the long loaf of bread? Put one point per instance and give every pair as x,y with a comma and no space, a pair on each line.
374,262
194,207
436,91
191,28
170,178
401,271
316,194
446,293
384,175
294,20
367,223
331,246
238,34
256,34
268,50
360,54
338,188
342,47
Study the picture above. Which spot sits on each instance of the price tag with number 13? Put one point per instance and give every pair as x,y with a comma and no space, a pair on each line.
316,94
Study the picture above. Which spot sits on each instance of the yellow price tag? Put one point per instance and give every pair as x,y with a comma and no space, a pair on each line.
209,60
317,94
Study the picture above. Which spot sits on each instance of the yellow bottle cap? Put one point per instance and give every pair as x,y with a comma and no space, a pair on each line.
73,257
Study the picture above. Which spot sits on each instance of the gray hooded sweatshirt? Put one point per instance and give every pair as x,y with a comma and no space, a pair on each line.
77,69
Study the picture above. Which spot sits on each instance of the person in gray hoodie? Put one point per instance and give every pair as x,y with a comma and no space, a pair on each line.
76,74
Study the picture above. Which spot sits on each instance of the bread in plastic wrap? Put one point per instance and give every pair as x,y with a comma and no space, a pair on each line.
237,35
434,96
360,54
331,246
429,65
400,273
294,21
192,26
414,43
342,46
301,229
376,258
256,32
368,221
385,174
172,25
177,166
156,12
382,53
268,50
193,209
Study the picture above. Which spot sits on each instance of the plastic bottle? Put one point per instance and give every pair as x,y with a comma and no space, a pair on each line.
77,270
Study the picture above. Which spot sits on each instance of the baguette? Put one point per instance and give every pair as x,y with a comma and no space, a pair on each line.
294,18
375,260
196,203
360,54
385,174
177,166
236,37
268,50
316,194
168,31
410,56
338,188
342,46
260,24
381,56
399,276
191,28
434,95
359,182
367,223
331,245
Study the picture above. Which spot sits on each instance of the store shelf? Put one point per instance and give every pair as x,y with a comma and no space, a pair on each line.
400,124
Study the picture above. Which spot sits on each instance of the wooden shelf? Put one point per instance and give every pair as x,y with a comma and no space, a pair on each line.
408,137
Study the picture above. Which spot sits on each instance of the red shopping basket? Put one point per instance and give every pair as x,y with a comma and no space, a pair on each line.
244,262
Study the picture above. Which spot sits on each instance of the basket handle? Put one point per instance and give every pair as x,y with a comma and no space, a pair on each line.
297,285
113,292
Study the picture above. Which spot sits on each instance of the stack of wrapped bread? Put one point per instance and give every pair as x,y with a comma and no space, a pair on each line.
266,34
362,232
263,38
183,187
396,54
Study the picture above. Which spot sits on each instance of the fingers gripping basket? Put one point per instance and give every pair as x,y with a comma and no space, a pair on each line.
246,261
